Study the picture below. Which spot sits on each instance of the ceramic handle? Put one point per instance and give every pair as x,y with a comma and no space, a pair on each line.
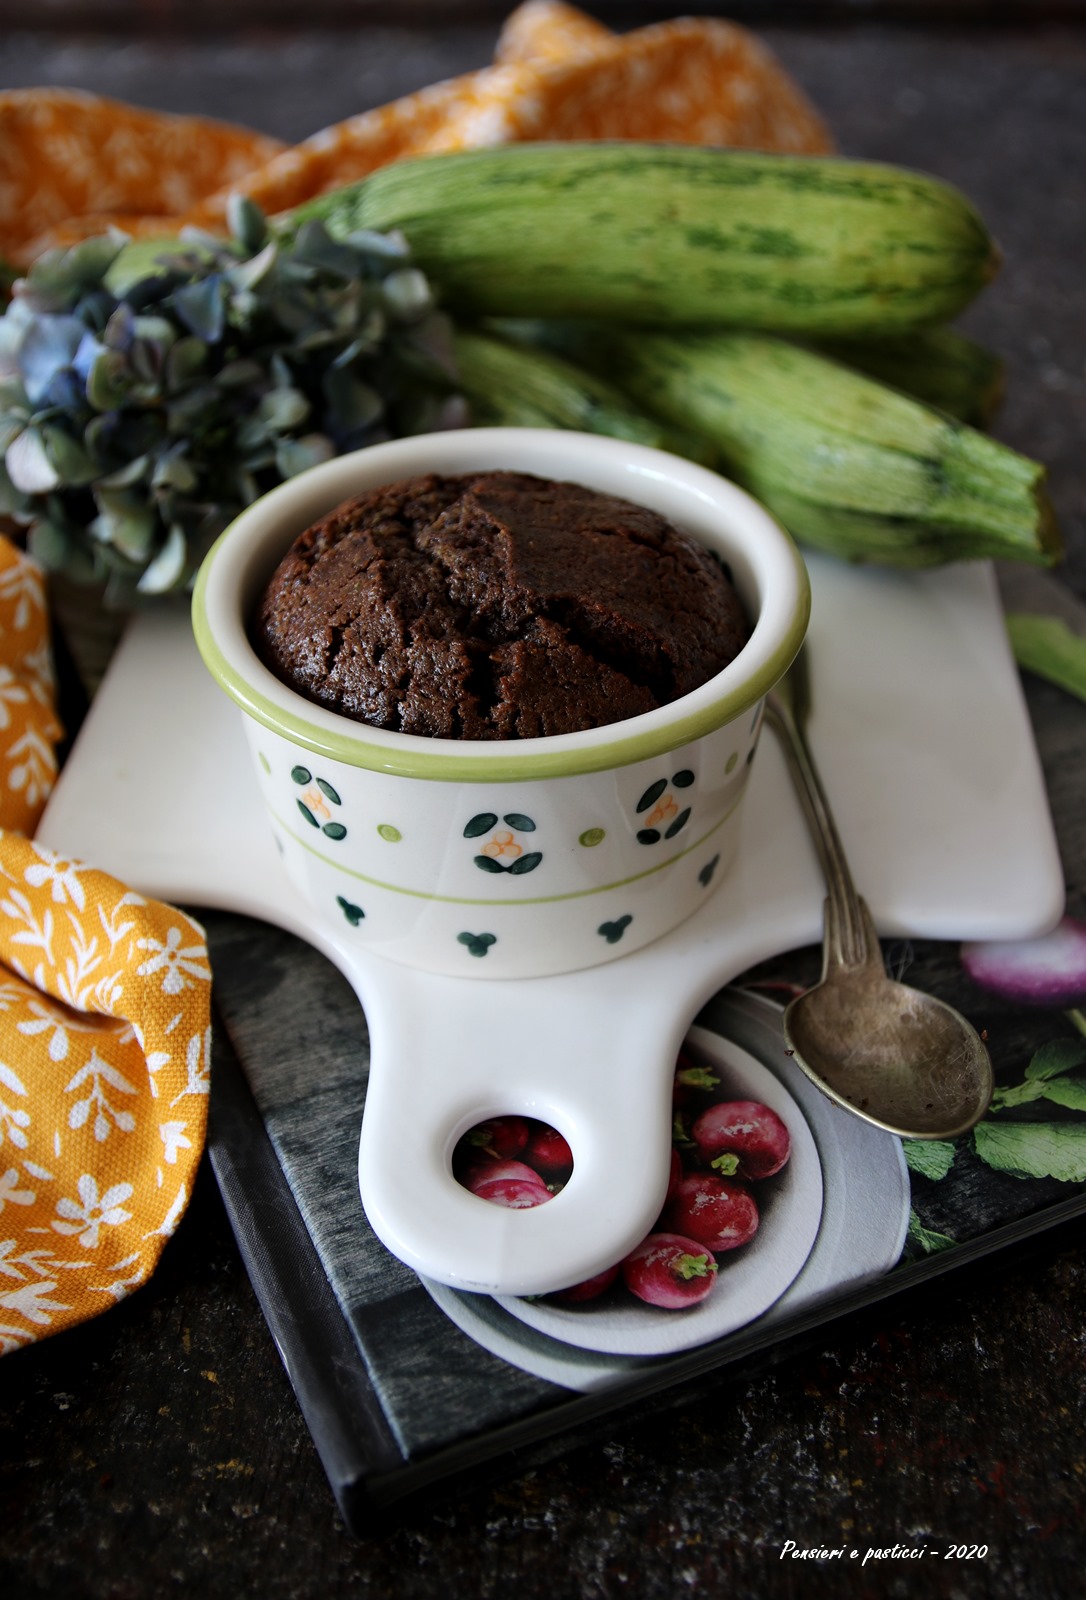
555,1049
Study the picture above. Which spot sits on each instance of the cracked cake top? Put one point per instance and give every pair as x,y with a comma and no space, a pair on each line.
496,605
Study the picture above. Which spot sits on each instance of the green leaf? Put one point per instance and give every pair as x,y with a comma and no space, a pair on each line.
67,272
1057,1057
12,502
244,373
165,571
382,247
173,471
407,294
133,472
688,1267
201,307
298,455
154,329
283,409
186,362
1033,1149
927,1240
247,274
246,222
126,523
1069,1092
12,422
931,1158
315,247
1050,1062
139,259
68,456
28,464
354,405
109,381
49,545
1047,647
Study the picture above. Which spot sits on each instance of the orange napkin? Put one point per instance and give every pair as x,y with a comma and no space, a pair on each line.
73,164
104,1032
104,995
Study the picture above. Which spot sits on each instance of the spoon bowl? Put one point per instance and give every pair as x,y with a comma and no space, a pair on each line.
895,1056
890,1054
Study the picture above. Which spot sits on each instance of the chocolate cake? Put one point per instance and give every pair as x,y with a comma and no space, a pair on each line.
496,605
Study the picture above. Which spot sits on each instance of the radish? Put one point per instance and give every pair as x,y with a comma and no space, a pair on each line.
590,1289
718,1212
507,1183
1049,971
690,1079
501,1138
669,1270
742,1138
549,1153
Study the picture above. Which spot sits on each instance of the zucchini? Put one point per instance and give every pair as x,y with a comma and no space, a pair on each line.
676,235
512,385
847,464
937,365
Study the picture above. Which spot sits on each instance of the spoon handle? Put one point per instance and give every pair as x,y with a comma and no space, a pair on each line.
849,934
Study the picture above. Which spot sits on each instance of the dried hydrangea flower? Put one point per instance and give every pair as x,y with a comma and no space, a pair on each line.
149,391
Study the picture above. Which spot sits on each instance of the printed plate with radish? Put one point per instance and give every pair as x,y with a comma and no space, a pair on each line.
740,1219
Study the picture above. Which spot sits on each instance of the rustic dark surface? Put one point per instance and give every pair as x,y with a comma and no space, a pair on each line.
159,1449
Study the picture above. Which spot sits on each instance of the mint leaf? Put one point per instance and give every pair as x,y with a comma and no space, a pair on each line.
1070,1092
1046,646
1020,1095
931,1158
1056,1057
925,1239
1033,1149
1050,1062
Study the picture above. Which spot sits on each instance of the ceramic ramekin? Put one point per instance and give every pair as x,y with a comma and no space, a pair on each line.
516,858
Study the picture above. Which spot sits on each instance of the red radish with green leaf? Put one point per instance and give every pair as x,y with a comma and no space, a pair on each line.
742,1139
691,1079
670,1271
719,1212
500,1138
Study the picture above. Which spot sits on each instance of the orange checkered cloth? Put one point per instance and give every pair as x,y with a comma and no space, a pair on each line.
105,995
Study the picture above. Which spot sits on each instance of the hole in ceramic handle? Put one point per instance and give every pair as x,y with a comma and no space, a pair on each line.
496,1225
513,1161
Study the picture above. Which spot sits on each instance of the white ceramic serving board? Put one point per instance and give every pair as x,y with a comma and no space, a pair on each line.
861,1233
920,729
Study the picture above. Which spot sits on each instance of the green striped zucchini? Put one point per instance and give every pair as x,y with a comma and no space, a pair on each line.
849,465
937,365
520,386
676,235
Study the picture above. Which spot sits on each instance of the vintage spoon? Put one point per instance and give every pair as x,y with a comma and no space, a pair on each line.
896,1057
